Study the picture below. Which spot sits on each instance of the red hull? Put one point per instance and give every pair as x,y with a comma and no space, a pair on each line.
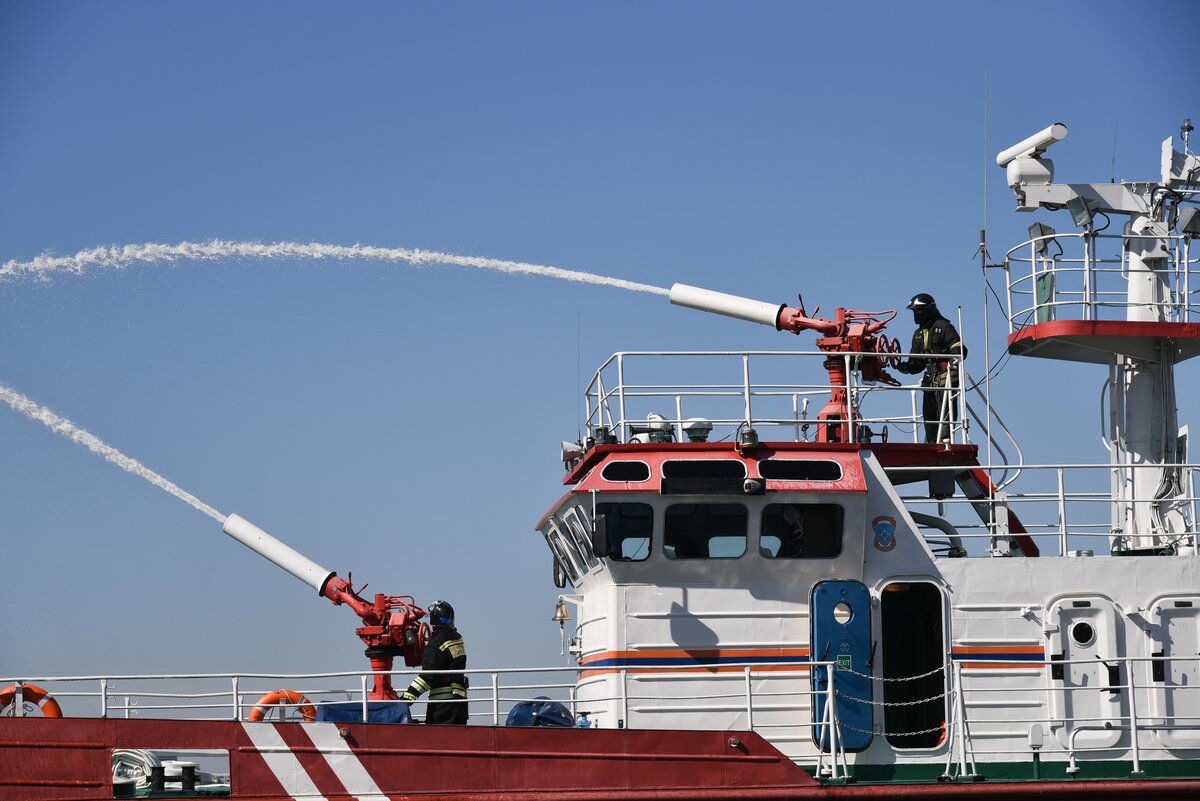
44,759
61,760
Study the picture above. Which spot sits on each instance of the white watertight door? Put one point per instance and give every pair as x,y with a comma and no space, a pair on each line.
1087,698
1174,676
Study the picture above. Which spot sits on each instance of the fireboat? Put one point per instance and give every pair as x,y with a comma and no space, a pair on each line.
765,604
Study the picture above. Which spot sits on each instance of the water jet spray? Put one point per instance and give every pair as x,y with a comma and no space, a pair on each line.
391,623
118,257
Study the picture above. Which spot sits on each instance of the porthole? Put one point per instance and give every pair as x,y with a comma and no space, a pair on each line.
842,613
1083,634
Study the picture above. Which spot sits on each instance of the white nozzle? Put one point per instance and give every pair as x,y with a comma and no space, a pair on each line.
756,311
277,552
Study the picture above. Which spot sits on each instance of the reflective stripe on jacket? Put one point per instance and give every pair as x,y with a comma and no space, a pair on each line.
445,650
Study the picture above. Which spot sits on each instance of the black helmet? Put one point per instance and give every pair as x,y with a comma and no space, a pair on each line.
921,299
441,613
923,307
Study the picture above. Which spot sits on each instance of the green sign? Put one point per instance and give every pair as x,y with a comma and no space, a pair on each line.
844,663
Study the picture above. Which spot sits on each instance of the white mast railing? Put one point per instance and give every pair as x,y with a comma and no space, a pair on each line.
1077,284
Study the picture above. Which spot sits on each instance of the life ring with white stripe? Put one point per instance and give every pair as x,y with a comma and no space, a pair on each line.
31,694
290,697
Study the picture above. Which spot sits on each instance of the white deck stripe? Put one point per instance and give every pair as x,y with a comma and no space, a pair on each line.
342,759
282,762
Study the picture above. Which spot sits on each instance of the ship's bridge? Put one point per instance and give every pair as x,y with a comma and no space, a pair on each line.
740,428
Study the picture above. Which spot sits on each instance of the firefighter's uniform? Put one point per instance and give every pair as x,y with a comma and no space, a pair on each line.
444,651
937,335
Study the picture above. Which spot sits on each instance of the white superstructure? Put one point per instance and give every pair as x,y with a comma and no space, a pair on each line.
968,616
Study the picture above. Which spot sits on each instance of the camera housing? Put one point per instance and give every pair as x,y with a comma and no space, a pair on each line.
1033,146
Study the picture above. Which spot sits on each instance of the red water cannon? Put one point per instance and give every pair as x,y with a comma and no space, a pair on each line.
859,333
391,626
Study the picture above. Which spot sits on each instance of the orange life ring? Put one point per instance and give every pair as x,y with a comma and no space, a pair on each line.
942,738
307,710
33,694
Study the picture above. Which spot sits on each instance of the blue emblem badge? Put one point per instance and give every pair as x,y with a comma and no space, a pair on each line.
885,533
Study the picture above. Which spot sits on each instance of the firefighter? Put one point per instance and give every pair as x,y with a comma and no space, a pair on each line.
444,651
934,335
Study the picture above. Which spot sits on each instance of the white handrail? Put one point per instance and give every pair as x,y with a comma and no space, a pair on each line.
1085,299
709,399
966,705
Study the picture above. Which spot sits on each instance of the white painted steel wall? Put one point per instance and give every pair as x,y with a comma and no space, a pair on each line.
994,606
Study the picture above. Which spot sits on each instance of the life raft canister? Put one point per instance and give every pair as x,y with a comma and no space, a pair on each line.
32,694
291,697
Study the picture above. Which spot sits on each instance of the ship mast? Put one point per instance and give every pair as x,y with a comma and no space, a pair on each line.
1157,330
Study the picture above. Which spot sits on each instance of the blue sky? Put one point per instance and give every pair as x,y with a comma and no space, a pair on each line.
404,423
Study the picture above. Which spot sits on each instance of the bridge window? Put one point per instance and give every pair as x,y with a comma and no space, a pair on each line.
561,548
629,526
800,470
703,477
801,531
626,471
704,468
704,531
581,532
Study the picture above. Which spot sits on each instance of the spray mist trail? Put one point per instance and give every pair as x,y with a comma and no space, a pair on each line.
121,256
79,436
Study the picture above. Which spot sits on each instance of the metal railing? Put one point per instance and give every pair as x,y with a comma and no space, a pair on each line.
493,694
633,392
983,722
1143,708
1066,509
223,696
1045,282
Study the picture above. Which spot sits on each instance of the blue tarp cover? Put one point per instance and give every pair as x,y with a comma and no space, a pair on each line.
540,712
377,712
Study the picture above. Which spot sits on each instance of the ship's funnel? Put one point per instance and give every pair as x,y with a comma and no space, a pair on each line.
756,311
277,552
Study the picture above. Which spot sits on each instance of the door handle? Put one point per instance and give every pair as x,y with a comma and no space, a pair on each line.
1114,677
